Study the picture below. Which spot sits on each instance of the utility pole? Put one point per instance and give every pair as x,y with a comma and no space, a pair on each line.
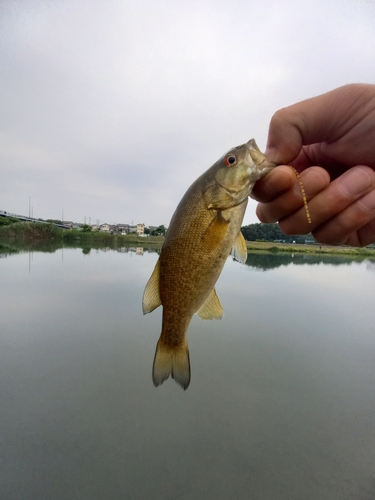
29,207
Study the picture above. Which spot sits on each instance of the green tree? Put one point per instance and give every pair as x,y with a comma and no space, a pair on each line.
159,231
271,232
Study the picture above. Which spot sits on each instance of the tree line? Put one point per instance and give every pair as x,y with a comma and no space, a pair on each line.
272,232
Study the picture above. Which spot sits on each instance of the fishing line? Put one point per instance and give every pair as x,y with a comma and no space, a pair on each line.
303,194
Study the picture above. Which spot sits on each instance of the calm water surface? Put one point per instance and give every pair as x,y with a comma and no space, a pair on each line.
281,404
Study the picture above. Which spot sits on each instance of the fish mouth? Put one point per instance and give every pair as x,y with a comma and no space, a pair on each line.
258,157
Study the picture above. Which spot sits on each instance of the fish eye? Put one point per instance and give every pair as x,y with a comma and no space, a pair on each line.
230,160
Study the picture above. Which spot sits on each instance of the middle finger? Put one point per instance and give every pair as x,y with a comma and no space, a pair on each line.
314,180
332,200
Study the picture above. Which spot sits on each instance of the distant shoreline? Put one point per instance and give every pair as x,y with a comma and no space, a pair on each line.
317,249
269,246
33,231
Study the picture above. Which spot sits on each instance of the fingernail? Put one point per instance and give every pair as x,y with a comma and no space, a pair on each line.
270,153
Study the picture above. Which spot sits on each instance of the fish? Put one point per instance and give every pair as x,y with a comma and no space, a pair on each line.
204,230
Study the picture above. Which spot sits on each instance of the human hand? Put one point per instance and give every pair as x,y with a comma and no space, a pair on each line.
337,132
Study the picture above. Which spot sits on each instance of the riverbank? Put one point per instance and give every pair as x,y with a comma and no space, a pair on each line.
265,246
34,231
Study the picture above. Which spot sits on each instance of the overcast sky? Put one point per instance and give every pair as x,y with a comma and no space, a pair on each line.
111,109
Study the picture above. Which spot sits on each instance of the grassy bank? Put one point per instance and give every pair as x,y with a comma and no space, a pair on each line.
30,231
260,246
33,231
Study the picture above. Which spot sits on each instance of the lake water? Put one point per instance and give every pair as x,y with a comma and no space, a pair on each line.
281,403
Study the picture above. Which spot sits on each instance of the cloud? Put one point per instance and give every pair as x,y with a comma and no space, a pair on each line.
111,109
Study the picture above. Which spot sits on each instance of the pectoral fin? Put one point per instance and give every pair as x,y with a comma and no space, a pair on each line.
211,307
239,249
151,295
215,232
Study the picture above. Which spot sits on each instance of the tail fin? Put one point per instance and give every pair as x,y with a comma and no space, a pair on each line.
172,361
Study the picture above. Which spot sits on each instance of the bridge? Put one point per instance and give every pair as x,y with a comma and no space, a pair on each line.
24,218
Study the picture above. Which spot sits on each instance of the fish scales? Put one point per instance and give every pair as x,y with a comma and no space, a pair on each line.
204,229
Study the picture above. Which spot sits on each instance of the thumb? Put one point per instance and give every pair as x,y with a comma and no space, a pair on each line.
324,118
285,140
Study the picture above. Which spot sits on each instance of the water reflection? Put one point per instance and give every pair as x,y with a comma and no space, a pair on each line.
256,260
267,261
281,404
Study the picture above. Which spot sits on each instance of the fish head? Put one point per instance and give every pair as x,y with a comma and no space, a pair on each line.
234,175
242,165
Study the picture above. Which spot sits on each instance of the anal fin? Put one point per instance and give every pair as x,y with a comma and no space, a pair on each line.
239,249
151,295
211,307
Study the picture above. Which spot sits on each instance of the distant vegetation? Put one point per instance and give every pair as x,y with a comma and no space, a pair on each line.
159,231
29,230
7,221
37,231
271,232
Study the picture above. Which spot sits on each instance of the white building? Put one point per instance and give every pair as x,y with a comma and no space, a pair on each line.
105,228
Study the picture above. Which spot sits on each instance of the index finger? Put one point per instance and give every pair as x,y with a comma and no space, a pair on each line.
270,186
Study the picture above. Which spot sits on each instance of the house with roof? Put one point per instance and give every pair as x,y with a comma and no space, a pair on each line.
105,228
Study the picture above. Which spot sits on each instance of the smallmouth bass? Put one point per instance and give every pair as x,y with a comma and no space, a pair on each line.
203,231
